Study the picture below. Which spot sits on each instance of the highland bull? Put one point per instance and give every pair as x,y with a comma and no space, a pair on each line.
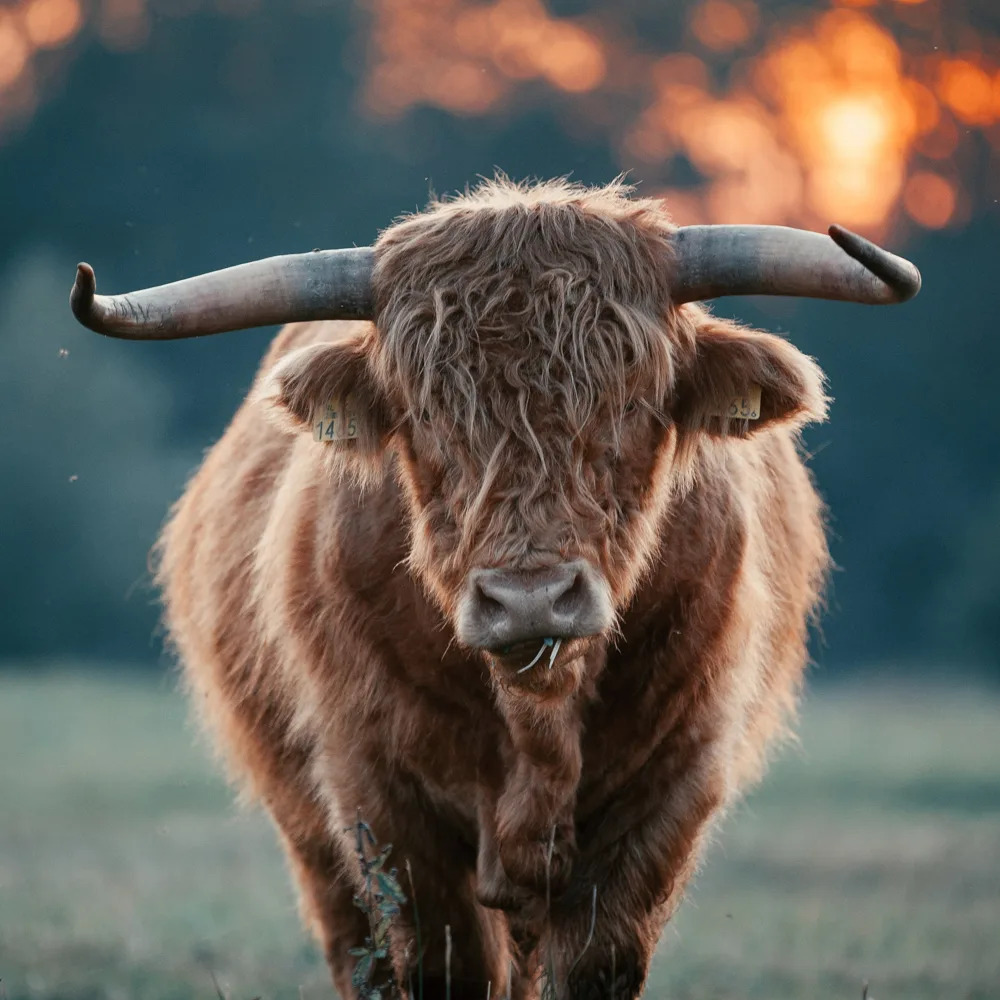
518,564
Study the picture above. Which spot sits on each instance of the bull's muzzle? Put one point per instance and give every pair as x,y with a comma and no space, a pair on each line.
501,607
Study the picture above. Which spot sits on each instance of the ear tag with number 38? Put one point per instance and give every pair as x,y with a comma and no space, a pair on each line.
336,420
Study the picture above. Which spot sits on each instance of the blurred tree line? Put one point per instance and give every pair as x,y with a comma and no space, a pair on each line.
229,137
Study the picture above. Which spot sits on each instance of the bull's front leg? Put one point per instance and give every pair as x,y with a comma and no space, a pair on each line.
637,853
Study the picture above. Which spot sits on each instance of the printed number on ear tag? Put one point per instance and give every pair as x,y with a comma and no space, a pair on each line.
745,407
337,420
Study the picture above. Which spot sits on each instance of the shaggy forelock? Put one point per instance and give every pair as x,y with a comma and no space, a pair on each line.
511,300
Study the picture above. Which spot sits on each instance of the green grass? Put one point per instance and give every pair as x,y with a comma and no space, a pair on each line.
872,851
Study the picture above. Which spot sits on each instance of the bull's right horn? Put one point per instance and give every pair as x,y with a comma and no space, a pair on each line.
712,261
324,284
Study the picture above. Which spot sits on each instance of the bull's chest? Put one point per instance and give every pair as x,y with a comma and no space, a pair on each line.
463,747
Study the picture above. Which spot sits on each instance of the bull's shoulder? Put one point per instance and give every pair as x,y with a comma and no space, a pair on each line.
746,499
296,335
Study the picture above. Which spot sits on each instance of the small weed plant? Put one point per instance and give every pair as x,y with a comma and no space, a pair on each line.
379,899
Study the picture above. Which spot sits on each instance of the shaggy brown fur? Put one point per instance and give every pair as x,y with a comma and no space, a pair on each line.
528,395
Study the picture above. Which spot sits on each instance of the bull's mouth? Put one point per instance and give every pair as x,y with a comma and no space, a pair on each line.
541,654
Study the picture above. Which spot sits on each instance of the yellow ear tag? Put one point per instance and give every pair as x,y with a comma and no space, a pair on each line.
336,420
745,407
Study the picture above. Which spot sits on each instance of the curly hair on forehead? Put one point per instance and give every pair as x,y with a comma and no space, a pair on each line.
547,291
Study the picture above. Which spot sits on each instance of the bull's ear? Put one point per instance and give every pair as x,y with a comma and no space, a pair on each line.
741,381
328,391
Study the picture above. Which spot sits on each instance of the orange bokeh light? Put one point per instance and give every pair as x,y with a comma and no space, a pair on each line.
854,127
723,25
51,23
942,142
572,59
123,24
930,200
466,57
968,90
685,206
15,50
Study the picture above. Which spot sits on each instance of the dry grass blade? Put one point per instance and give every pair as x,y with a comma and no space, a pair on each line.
416,927
549,990
447,961
218,988
590,933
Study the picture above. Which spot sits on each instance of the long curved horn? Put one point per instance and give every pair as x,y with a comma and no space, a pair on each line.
712,261
324,284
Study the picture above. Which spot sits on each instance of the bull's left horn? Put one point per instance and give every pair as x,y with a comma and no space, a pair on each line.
712,261
325,284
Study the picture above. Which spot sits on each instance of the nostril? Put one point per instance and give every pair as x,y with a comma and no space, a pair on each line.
488,605
571,598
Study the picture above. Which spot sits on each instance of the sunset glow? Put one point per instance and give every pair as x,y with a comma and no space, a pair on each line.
829,120
862,111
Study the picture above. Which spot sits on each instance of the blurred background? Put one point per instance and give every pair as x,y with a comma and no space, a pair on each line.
161,138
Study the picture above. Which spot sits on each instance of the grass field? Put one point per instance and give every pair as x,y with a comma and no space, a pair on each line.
872,852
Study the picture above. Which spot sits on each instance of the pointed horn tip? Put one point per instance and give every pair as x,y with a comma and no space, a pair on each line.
900,275
81,298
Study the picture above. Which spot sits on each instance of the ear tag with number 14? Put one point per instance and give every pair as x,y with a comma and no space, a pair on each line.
336,420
